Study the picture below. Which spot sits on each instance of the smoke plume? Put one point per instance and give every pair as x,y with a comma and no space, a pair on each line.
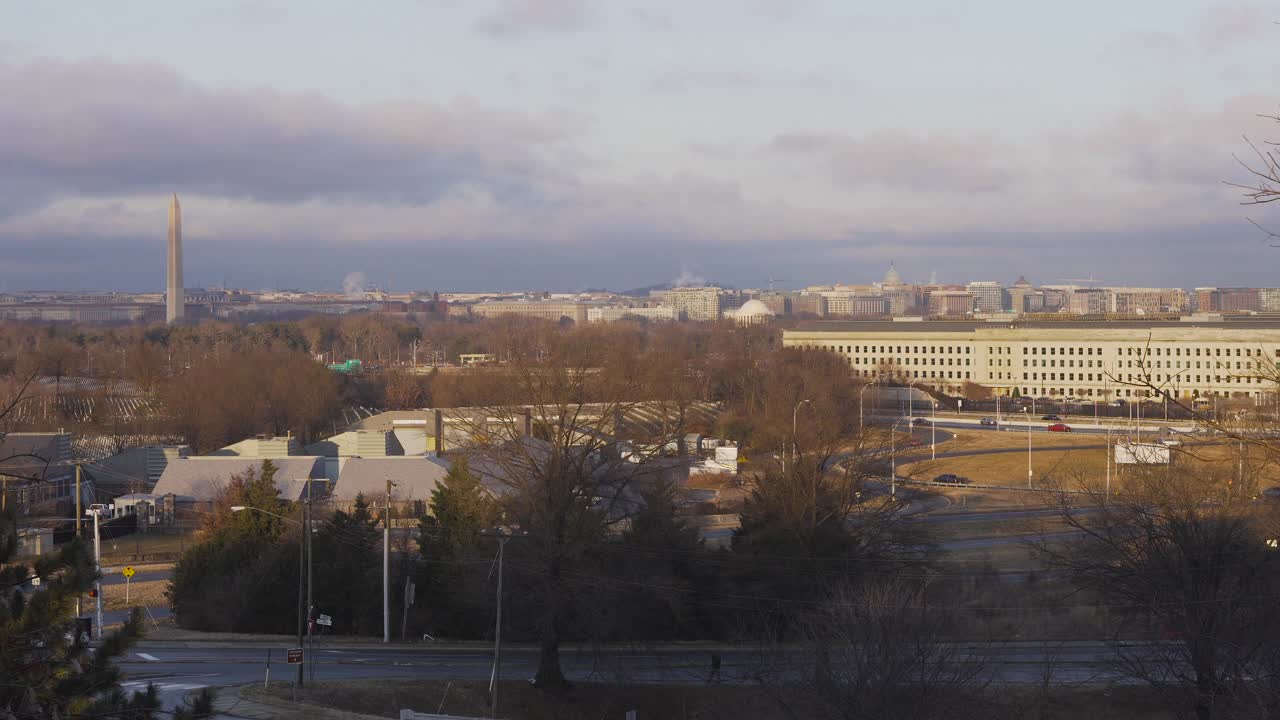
353,285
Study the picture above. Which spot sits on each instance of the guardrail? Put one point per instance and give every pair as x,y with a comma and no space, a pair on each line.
978,486
1022,424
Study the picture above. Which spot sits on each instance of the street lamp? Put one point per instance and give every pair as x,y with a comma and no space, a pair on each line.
1108,497
933,428
1028,449
304,565
96,511
864,389
794,410
893,458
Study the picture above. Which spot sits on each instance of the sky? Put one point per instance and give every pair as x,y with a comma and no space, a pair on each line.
459,145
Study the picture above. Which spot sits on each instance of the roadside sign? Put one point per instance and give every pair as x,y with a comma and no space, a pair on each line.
295,656
325,620
35,582
128,572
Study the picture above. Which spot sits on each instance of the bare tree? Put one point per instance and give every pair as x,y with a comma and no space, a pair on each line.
1181,552
1263,185
880,650
567,456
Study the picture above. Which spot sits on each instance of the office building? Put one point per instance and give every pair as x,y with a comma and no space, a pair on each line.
988,297
1089,301
696,303
614,314
543,310
950,303
1089,360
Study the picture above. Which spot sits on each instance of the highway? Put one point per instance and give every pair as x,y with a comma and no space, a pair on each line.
177,668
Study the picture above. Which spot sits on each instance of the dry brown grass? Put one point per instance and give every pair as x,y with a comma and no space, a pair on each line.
1010,469
1072,462
150,593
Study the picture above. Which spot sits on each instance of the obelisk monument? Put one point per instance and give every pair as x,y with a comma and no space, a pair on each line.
175,294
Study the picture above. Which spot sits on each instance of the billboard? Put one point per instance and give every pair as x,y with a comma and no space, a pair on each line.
1141,454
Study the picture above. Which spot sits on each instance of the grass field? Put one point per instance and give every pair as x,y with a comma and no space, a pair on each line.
144,547
1069,463
150,593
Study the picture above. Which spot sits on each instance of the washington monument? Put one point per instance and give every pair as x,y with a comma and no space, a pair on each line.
175,294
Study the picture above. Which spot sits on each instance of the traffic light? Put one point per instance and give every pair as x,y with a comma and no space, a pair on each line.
93,593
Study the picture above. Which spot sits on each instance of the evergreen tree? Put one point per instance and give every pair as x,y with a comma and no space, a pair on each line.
449,540
47,669
228,582
348,570
461,507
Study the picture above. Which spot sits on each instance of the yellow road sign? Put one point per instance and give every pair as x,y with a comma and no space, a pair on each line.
127,572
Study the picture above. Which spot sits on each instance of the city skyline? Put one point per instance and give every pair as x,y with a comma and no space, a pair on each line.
606,164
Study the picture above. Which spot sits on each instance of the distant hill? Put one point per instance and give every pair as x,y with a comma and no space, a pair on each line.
644,291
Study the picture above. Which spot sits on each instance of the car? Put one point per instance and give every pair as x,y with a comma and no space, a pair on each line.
916,442
988,421
1051,418
1169,442
1059,427
951,479
1118,402
920,422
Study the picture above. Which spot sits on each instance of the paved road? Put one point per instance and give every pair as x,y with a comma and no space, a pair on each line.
185,666
990,515
179,668
989,542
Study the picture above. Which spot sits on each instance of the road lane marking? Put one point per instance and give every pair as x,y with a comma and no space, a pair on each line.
148,657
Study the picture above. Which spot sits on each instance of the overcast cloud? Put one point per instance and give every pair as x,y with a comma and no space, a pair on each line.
571,144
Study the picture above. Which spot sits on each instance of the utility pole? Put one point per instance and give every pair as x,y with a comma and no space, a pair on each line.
503,534
302,573
311,608
79,508
97,567
386,569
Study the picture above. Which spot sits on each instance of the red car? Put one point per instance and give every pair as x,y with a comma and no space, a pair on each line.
1059,427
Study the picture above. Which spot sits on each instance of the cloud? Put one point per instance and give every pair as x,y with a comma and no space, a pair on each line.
518,17
97,127
89,151
897,159
1213,32
696,80
1220,28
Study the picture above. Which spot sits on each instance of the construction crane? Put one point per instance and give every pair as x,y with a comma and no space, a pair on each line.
772,280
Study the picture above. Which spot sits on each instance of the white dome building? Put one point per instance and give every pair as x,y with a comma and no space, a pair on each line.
753,312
